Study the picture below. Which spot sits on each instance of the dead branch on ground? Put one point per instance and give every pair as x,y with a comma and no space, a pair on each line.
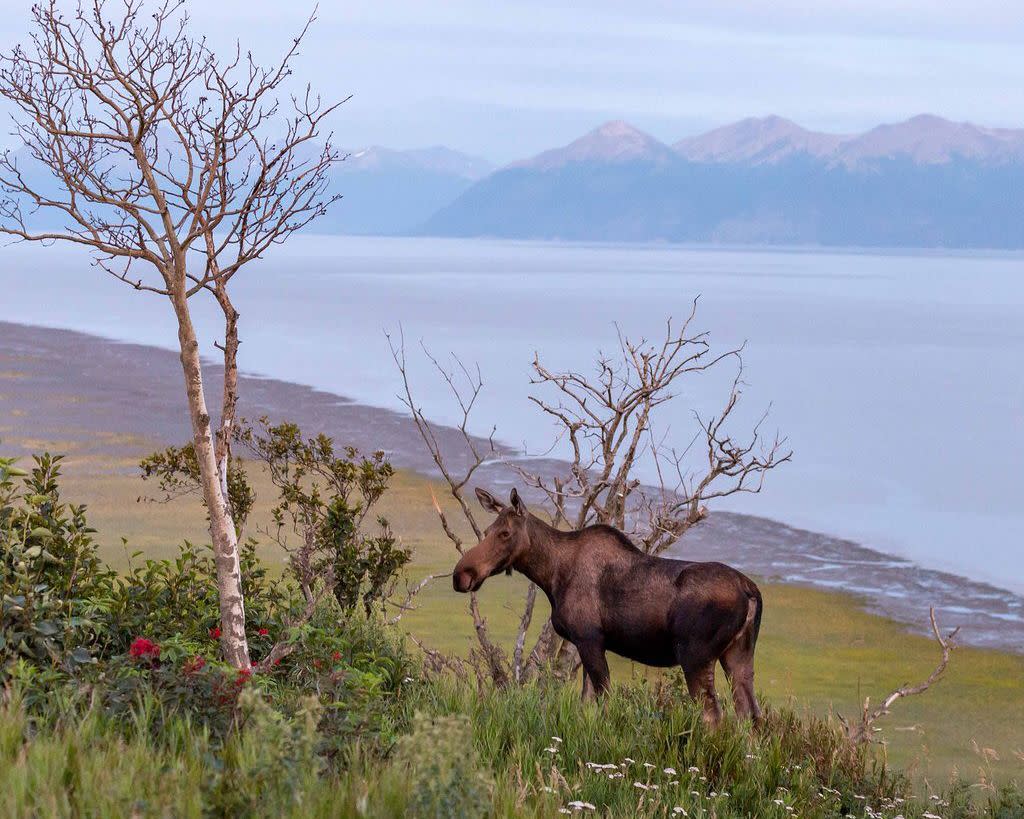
864,730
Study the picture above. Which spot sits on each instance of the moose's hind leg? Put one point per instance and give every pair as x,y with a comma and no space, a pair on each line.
701,684
738,662
739,669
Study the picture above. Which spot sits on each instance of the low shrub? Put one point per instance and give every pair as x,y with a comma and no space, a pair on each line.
53,587
441,770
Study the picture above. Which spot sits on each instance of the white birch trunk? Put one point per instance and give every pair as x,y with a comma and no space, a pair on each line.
234,644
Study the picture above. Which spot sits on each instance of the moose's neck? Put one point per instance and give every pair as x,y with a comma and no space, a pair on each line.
546,558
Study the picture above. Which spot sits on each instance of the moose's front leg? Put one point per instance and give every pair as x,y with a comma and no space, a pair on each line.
595,669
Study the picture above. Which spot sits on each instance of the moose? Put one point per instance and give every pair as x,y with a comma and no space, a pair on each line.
608,595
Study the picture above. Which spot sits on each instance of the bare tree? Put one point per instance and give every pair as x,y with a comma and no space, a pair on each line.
607,420
864,730
465,385
175,169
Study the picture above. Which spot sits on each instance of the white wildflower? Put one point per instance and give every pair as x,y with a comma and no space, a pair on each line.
679,811
641,785
693,769
669,771
557,739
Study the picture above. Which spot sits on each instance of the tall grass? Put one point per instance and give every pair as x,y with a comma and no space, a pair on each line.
640,753
534,751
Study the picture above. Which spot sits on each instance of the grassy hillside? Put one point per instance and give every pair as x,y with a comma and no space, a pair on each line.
818,650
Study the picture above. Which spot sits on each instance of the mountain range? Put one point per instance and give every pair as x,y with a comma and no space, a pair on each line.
926,182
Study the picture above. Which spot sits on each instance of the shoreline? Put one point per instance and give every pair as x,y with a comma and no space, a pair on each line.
60,384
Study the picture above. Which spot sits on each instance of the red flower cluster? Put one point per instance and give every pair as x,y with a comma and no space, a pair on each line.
227,690
215,633
142,648
194,665
263,632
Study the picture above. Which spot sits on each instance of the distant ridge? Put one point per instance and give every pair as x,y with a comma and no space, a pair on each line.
925,182
757,141
613,142
925,139
929,140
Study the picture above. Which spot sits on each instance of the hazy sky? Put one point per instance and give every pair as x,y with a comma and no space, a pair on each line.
505,80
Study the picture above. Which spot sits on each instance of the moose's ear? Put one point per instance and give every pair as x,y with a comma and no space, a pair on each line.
488,501
517,503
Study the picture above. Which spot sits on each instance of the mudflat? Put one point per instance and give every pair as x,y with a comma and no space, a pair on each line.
91,397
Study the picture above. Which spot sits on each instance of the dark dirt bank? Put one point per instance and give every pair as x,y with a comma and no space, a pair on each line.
58,385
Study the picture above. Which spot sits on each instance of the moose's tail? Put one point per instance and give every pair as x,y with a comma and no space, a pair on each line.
752,626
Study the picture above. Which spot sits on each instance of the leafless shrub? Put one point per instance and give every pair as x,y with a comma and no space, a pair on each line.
607,421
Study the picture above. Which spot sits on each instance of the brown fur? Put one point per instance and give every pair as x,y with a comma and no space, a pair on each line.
607,595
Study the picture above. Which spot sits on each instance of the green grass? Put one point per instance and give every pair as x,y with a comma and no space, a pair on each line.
819,650
522,752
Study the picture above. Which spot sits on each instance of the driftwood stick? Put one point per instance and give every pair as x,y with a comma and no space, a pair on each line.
865,730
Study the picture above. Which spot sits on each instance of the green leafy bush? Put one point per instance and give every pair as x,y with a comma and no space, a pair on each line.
53,587
325,497
323,509
176,471
178,598
61,606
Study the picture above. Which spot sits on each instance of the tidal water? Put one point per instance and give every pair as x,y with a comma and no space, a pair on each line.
897,378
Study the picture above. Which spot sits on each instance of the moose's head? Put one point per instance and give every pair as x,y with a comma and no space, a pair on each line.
503,541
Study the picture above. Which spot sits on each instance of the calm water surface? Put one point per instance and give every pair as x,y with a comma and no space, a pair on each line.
897,378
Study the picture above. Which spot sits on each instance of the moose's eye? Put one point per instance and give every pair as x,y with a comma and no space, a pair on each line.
505,534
